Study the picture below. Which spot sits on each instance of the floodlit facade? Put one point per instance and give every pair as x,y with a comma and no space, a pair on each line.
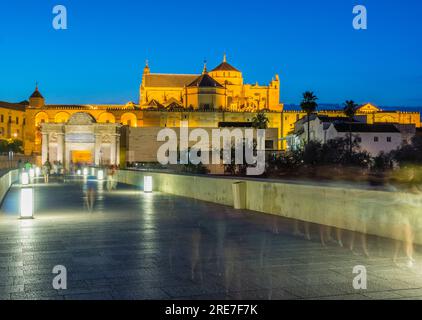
208,100
222,88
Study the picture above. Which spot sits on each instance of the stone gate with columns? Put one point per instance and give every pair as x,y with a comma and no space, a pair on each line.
81,140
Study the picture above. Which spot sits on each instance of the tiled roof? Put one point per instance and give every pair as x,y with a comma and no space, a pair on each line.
364,127
154,104
168,80
174,106
224,66
15,106
36,94
205,81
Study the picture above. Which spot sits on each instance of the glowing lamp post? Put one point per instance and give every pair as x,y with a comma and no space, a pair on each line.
100,175
85,172
37,171
78,172
147,184
31,173
27,203
25,178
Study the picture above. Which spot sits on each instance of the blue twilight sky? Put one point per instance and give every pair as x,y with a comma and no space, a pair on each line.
311,44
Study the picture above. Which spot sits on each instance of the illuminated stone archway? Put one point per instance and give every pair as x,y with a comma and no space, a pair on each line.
81,139
61,117
129,119
106,117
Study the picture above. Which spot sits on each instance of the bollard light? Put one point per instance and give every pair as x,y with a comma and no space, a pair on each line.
25,178
78,172
147,184
85,172
100,175
31,173
27,203
37,171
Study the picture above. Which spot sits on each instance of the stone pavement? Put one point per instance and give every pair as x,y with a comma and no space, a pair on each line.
159,246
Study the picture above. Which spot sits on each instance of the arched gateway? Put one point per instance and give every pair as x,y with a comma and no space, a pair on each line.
81,140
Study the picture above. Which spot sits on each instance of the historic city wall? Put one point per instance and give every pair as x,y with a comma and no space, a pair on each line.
374,212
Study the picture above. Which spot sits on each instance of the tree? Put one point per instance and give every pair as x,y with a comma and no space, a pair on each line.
409,153
11,145
350,111
260,121
309,105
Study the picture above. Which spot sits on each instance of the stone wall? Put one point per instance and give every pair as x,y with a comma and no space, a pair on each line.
6,181
374,212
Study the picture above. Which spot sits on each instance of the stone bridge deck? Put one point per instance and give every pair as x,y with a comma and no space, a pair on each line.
159,246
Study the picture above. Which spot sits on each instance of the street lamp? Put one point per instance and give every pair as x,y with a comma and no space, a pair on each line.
31,173
85,172
100,175
147,184
24,178
27,203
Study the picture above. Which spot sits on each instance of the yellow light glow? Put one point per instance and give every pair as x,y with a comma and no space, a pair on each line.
147,184
27,203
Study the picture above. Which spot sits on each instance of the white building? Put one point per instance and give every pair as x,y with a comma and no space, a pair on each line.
373,138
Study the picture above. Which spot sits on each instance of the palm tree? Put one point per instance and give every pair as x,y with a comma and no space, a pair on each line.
350,111
260,121
309,105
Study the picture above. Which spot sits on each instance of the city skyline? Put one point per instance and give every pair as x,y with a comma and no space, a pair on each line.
100,57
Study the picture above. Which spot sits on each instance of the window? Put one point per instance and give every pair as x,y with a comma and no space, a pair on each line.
17,120
388,139
10,119
358,139
2,118
376,139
